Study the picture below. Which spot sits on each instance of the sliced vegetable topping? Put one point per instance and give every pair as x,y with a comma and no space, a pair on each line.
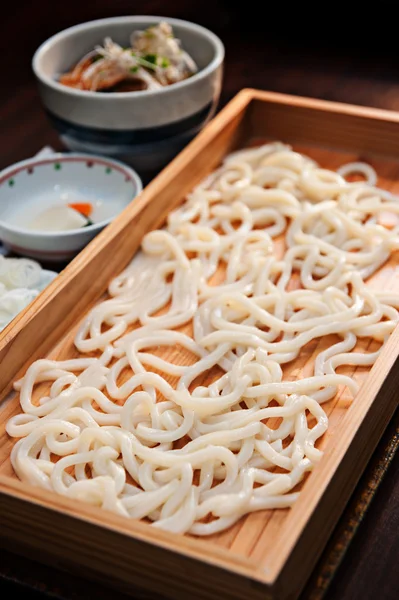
84,208
154,59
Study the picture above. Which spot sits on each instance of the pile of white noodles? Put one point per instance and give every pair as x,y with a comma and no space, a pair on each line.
197,455
20,282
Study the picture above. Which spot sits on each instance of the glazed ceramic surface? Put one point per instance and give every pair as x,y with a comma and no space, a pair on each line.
147,128
36,184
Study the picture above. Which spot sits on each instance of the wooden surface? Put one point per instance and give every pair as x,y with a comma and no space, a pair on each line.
256,61
244,553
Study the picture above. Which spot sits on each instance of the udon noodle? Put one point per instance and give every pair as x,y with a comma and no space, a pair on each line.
137,433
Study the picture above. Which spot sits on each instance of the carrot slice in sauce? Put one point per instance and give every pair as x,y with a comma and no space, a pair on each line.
84,208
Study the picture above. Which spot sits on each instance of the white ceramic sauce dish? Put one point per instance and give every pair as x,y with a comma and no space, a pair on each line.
146,128
36,184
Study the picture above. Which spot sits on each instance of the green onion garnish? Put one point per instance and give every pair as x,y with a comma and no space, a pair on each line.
151,58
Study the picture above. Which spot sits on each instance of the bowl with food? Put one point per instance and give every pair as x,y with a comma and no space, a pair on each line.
53,206
135,88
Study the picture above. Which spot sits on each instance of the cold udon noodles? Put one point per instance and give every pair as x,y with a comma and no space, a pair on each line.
177,410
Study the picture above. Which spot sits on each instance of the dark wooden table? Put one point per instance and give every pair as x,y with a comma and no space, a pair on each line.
283,51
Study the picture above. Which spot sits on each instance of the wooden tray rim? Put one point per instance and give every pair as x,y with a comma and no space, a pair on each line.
321,478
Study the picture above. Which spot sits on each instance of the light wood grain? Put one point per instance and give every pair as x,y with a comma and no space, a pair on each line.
267,554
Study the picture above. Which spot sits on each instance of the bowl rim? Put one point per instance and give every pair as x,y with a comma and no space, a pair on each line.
68,157
134,19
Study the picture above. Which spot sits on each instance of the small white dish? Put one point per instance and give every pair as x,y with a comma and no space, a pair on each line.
46,277
33,185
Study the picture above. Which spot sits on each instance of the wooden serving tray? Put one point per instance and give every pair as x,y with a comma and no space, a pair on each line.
269,554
